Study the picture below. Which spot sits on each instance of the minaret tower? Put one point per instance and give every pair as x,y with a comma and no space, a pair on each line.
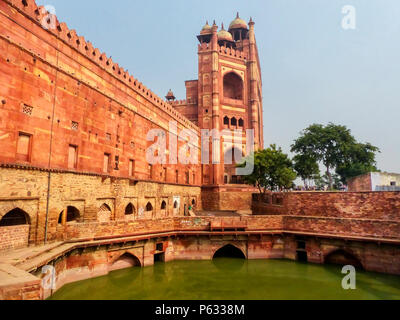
229,94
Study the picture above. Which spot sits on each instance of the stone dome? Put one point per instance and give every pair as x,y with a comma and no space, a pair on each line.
238,23
207,29
224,35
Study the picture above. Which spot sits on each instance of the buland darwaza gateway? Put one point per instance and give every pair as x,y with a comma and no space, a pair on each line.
74,180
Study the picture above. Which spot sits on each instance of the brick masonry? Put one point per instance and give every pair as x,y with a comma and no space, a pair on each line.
14,237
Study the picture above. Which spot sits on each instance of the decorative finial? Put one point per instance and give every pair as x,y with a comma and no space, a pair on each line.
214,24
237,15
222,28
206,22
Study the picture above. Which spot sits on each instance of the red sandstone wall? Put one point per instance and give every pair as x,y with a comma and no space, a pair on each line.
14,237
58,73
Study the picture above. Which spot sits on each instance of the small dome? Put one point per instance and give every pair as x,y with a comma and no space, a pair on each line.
207,29
170,95
224,35
238,23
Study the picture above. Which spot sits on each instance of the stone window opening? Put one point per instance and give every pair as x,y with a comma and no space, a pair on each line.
187,177
165,174
74,125
393,183
116,160
15,217
27,109
226,121
234,122
159,247
131,168
149,207
176,205
241,123
72,214
163,205
130,209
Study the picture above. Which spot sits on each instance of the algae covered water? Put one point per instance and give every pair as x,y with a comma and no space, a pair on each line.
231,279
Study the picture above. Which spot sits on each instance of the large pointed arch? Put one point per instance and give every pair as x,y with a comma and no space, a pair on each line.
233,86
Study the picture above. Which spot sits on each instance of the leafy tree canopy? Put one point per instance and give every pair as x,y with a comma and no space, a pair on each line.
273,170
307,167
335,147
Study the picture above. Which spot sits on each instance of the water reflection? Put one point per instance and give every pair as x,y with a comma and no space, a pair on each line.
229,264
231,279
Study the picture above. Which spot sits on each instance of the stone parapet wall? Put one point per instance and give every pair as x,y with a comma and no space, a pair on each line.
356,205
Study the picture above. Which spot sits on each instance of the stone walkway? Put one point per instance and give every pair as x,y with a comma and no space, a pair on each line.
217,214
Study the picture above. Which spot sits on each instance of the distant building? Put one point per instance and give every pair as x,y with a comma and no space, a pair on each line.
375,181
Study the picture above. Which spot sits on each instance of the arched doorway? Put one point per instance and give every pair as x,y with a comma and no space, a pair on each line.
73,215
229,251
127,260
343,257
15,217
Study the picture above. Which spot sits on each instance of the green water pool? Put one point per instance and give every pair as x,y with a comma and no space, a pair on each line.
231,279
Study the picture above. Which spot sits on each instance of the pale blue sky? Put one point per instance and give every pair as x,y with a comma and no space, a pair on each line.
313,70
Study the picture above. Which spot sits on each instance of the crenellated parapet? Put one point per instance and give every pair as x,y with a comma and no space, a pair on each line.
69,36
231,52
179,102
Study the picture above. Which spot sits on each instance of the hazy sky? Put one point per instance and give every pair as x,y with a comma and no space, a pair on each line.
313,70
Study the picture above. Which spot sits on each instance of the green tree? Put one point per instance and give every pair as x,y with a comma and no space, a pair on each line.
360,159
272,170
307,167
336,148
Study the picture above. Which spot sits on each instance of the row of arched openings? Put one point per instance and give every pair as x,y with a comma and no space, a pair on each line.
233,122
18,216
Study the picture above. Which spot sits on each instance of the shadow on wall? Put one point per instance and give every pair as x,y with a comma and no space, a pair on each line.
125,261
342,258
